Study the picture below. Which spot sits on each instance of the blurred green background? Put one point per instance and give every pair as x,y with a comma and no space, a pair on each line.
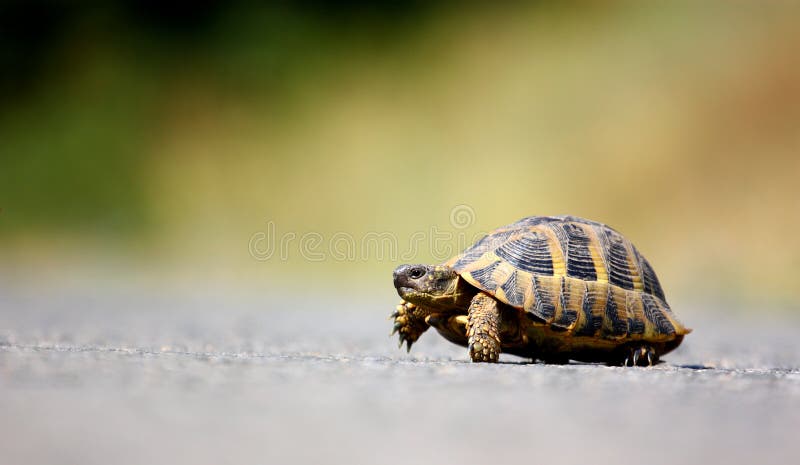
155,142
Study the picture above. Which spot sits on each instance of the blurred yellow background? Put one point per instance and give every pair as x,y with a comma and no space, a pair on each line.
157,142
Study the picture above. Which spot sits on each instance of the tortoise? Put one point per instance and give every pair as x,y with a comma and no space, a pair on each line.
548,288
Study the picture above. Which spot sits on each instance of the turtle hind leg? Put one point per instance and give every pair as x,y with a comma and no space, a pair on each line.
642,355
483,323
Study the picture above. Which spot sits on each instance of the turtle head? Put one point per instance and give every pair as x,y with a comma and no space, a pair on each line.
434,286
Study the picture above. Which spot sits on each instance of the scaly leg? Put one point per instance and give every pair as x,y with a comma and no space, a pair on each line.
409,322
642,355
483,329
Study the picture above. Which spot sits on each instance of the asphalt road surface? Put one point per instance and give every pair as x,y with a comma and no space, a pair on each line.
133,377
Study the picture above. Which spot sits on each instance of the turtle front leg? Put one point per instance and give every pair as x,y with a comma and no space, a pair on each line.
483,323
409,322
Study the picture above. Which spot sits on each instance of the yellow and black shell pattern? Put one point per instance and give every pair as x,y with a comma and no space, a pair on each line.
573,275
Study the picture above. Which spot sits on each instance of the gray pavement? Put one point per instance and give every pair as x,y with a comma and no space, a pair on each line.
126,376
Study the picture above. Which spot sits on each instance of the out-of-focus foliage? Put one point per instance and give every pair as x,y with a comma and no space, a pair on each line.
169,136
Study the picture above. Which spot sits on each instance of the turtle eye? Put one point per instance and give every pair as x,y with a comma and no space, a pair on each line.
416,272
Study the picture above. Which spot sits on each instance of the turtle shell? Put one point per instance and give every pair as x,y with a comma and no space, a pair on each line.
572,274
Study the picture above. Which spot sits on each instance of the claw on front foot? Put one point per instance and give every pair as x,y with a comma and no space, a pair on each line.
408,327
484,348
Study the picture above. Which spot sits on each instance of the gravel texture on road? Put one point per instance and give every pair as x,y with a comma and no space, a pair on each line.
129,377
